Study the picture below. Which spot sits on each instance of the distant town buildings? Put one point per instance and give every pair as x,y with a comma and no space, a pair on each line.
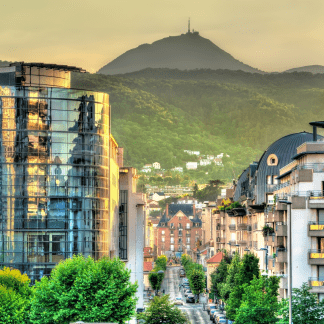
156,165
192,165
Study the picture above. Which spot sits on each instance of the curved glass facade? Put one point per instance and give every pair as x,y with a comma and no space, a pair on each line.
54,176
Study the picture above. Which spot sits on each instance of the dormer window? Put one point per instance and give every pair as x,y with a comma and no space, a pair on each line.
272,160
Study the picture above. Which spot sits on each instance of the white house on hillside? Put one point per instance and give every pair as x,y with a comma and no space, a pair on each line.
192,165
157,165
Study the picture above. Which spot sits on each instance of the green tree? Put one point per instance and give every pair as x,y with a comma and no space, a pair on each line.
249,268
15,296
218,277
82,289
156,279
197,278
161,261
161,310
233,270
305,307
260,301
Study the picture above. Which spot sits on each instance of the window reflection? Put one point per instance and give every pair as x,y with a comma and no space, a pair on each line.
53,173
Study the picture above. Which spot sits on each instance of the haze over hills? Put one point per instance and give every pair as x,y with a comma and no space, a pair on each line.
309,68
184,52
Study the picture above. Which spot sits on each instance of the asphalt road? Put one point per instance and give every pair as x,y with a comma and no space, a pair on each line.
170,284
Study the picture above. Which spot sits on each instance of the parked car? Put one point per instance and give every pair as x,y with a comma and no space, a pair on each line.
220,317
210,306
178,301
222,321
211,313
217,312
187,292
190,298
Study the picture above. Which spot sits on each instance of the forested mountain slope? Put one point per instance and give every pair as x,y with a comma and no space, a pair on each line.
236,113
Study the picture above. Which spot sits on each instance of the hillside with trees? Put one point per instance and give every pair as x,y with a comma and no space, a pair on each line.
156,118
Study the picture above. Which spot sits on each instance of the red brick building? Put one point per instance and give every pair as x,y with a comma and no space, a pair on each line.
178,230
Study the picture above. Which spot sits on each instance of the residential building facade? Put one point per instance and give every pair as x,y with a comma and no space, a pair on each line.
178,230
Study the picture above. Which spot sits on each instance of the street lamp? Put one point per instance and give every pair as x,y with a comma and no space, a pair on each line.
266,260
288,203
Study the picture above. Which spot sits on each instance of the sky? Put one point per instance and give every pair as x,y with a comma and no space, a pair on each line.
271,35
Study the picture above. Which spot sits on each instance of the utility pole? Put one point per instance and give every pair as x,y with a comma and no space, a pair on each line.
189,26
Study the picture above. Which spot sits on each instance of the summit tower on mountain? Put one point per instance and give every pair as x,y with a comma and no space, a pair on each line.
184,52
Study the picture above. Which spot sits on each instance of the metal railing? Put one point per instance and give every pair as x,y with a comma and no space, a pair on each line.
317,167
232,227
316,281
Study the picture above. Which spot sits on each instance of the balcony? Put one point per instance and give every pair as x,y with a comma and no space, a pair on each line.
283,284
316,229
220,239
317,284
232,227
220,227
269,240
232,242
180,233
316,257
241,242
281,229
242,227
188,235
276,216
281,256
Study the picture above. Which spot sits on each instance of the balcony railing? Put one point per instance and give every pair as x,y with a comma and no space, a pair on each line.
316,257
316,229
317,167
317,284
220,239
232,242
232,227
242,227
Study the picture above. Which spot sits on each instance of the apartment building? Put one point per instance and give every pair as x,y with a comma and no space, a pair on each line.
178,230
290,168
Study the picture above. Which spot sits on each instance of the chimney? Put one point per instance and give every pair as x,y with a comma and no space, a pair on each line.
120,156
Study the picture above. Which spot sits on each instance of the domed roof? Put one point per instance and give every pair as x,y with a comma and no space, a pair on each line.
277,155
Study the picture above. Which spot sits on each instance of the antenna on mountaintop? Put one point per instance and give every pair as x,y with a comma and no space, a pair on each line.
189,26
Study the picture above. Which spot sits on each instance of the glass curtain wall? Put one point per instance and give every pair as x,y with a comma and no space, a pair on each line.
54,176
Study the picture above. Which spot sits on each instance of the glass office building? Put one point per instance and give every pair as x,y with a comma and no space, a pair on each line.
54,168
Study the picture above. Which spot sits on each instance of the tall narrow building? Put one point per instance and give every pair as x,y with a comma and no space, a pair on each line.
54,169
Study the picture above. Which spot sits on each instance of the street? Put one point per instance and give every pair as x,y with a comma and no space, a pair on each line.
170,284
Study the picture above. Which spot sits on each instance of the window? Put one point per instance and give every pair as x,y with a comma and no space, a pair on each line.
188,247
180,225
269,179
180,240
188,225
188,239
274,180
163,239
163,232
172,247
171,232
172,240
172,225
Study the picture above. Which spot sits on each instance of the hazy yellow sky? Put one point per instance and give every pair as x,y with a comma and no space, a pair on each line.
270,35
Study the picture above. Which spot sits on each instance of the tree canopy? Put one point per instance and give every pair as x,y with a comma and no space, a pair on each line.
161,310
82,289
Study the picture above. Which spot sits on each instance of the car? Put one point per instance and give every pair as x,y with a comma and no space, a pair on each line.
222,321
210,306
220,317
187,292
178,301
211,313
217,312
190,298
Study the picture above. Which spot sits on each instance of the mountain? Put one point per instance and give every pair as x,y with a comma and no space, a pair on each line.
185,52
309,68
232,112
